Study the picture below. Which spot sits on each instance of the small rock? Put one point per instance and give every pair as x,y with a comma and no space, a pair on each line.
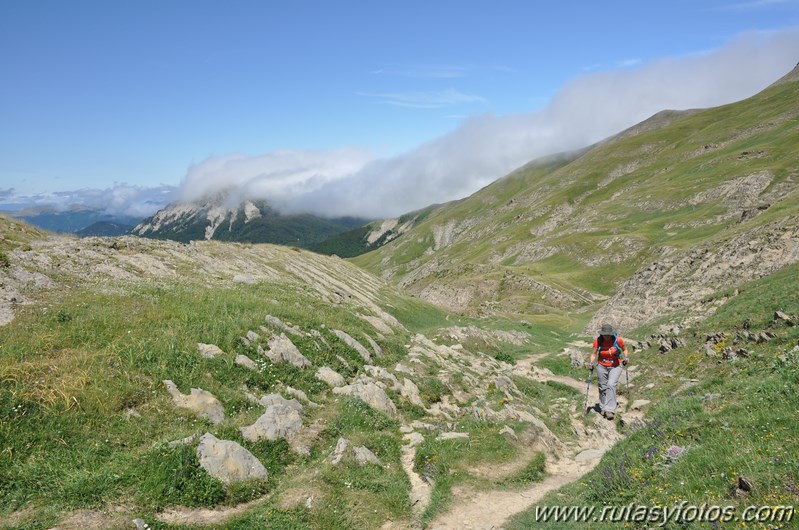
279,421
243,360
779,316
364,456
452,436
281,349
243,278
253,336
510,432
209,351
339,452
710,397
228,461
330,376
639,403
276,399
352,343
140,524
650,386
202,403
371,394
414,439
745,484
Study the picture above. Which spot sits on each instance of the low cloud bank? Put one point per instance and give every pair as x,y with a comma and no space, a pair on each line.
121,200
486,147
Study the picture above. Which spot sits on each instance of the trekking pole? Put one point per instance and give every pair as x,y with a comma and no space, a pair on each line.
627,375
586,391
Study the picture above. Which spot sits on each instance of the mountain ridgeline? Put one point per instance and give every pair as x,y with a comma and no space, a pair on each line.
245,222
642,225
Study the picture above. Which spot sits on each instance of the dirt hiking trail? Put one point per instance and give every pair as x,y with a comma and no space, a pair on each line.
485,510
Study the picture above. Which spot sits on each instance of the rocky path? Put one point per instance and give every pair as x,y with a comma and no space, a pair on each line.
491,509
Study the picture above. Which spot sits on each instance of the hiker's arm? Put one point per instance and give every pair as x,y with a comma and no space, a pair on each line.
626,357
592,358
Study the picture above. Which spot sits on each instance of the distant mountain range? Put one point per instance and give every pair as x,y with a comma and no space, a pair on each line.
249,221
74,219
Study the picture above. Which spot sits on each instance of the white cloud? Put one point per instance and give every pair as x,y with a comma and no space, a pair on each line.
486,147
119,200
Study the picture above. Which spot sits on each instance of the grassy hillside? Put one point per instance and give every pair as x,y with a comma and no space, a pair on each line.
90,436
730,418
561,236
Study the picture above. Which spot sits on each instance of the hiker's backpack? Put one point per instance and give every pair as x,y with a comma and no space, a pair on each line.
600,343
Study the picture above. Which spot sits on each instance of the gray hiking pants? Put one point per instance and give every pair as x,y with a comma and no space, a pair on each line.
607,376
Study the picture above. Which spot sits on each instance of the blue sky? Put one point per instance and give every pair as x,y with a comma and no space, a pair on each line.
131,96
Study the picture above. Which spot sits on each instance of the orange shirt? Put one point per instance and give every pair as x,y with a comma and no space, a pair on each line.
606,357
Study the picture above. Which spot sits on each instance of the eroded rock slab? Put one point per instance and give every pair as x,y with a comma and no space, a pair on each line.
228,461
371,394
279,421
281,349
330,376
203,403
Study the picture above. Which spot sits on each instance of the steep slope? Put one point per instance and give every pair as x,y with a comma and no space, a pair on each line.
247,222
564,236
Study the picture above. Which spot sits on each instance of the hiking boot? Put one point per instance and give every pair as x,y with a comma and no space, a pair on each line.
609,415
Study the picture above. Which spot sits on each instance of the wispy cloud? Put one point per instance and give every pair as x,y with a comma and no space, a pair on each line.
6,193
424,100
423,71
754,5
627,63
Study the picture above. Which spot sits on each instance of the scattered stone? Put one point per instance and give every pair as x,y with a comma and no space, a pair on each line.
371,394
416,424
343,362
294,330
244,278
132,413
779,316
510,432
745,484
378,351
276,399
364,456
188,440
252,336
279,421
228,461
339,452
202,403
330,376
710,397
639,403
300,395
209,351
354,344
281,349
410,391
140,524
404,369
649,386
246,362
764,336
414,439
452,436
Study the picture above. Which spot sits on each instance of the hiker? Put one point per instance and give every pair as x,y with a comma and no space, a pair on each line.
612,355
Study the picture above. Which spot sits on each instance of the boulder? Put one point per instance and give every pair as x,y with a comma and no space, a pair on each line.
330,376
202,403
279,421
228,461
639,403
371,394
